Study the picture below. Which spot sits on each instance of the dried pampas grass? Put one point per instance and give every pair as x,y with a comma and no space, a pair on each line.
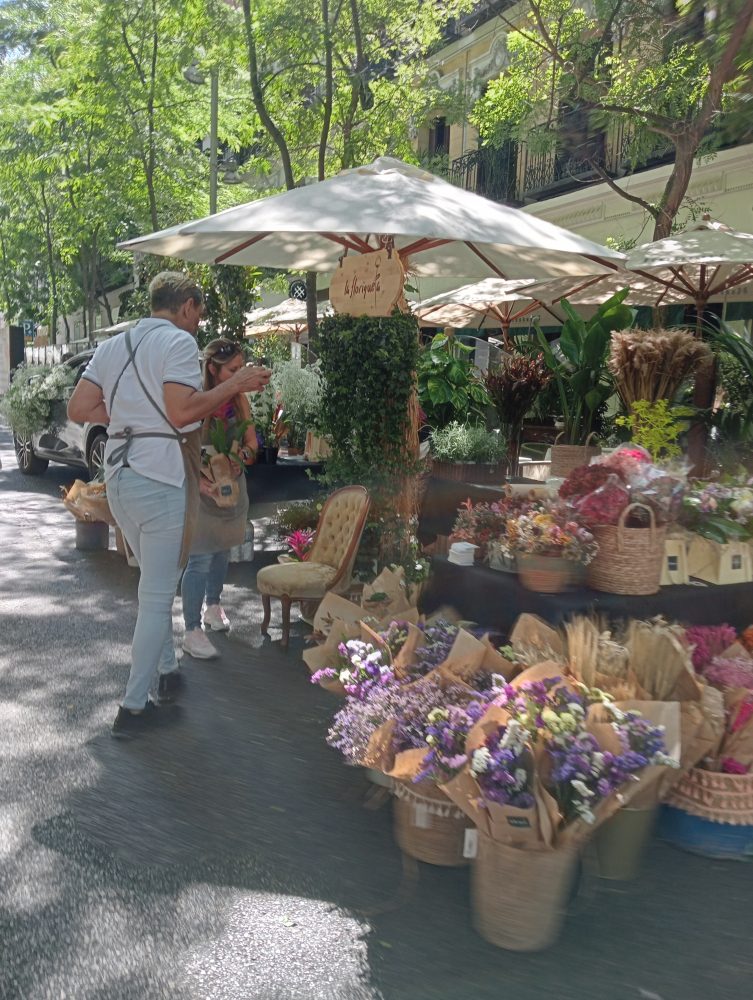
653,364
659,658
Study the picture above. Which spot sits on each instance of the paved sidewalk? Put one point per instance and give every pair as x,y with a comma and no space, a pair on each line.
231,855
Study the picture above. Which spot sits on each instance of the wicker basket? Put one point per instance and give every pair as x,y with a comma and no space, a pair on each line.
519,897
428,827
566,457
629,560
545,574
713,796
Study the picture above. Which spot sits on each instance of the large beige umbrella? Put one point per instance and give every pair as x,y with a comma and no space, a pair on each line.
438,229
488,304
708,262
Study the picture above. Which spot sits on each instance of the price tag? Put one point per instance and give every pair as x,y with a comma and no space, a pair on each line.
470,842
421,816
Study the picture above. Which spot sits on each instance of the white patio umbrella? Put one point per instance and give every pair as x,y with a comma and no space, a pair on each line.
288,316
439,229
488,304
706,263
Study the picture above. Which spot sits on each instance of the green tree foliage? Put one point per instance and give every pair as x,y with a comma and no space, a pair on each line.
660,73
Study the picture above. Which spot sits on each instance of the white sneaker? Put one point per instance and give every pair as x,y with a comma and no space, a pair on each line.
215,618
196,644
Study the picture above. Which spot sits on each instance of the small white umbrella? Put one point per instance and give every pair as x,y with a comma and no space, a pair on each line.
438,229
492,303
288,316
706,263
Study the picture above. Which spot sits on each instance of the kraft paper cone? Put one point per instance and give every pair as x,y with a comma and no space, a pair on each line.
735,652
407,764
465,656
540,672
532,631
495,663
463,790
335,608
389,588
325,655
379,753
369,635
406,657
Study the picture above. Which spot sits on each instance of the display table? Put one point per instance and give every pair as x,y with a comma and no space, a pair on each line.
495,599
443,497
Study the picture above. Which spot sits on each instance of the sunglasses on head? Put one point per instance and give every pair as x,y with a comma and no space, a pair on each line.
225,352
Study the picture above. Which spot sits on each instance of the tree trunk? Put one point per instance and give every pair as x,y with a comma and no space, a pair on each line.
311,306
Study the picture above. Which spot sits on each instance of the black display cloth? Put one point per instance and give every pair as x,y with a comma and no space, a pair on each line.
495,599
442,497
286,479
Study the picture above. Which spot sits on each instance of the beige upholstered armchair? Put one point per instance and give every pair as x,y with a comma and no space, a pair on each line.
330,562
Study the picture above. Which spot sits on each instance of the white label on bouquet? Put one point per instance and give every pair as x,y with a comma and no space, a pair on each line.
470,842
421,816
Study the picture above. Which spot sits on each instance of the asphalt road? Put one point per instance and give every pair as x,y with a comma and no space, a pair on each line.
231,856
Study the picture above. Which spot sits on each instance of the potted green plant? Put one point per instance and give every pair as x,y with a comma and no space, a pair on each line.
468,453
299,392
450,388
581,374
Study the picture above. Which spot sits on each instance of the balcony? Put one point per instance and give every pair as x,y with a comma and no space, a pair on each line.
518,173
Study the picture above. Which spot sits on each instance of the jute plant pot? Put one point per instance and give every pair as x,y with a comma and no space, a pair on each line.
428,827
519,897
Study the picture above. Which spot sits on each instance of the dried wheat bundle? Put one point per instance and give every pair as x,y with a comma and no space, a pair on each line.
653,364
582,637
529,654
658,657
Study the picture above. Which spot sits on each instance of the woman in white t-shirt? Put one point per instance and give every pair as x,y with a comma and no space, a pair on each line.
146,384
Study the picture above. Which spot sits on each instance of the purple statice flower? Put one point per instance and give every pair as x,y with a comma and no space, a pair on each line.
502,767
445,734
582,774
408,704
437,643
395,635
359,668
709,641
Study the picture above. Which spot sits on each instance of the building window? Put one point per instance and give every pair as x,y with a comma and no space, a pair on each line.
439,137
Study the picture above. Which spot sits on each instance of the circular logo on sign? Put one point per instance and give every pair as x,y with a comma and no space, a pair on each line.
297,290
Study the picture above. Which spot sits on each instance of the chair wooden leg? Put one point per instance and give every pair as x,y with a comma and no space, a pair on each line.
286,602
267,605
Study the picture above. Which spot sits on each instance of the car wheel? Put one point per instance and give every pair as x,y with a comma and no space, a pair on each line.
96,459
29,462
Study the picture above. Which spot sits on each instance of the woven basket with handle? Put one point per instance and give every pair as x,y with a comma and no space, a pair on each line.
717,797
629,560
566,457
428,827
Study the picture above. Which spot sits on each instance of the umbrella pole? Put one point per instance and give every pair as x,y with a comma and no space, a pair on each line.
704,392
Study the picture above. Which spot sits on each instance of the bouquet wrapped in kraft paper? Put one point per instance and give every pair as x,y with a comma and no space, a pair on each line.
88,502
338,620
551,759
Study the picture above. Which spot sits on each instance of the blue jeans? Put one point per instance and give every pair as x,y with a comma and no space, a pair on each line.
203,577
151,515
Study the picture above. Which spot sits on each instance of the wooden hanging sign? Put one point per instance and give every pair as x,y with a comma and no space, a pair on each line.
369,284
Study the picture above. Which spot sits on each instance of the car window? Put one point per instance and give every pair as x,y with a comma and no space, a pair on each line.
80,366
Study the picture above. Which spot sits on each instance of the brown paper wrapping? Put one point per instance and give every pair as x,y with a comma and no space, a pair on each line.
88,502
530,631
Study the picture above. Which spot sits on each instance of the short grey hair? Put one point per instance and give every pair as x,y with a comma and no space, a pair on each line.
170,289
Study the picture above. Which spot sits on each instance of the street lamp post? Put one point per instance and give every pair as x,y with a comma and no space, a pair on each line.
193,74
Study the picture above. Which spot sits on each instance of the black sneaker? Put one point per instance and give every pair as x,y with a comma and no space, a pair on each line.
129,724
170,685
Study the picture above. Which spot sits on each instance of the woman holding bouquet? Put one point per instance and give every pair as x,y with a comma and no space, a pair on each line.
219,528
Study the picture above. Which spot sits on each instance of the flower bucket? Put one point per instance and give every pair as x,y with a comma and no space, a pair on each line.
518,896
621,842
92,536
629,560
428,827
545,574
566,457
